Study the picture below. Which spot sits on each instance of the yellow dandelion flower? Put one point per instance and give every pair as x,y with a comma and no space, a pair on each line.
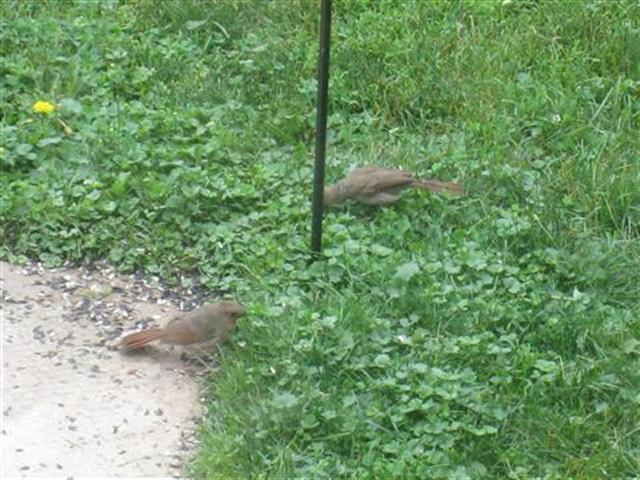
43,107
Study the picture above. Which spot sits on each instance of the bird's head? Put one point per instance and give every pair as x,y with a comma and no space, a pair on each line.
231,309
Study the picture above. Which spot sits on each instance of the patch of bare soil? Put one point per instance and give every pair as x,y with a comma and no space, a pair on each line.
72,403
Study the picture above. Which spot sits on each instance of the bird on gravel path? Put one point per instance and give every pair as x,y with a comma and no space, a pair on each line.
213,322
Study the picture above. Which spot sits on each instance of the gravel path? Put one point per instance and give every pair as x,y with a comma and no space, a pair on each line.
72,404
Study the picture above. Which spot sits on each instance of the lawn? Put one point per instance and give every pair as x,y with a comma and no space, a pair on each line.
488,337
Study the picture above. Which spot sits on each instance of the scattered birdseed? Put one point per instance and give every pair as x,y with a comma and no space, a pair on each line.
99,301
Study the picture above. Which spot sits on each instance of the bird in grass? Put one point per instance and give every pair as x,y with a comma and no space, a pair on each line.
373,185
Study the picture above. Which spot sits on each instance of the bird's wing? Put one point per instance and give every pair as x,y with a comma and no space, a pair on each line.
179,331
380,198
377,179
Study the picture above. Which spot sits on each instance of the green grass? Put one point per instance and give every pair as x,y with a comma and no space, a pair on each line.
494,336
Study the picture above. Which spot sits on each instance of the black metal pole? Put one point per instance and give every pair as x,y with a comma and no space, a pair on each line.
321,128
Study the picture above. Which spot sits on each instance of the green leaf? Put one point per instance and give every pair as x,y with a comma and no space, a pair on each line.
93,195
482,431
195,24
109,207
407,270
45,142
546,365
630,346
71,105
451,267
284,400
382,360
24,148
381,250
419,367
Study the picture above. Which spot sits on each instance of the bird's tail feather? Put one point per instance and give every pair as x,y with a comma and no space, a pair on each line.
436,186
140,339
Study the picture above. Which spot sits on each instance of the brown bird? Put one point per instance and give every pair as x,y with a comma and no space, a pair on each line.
208,323
375,185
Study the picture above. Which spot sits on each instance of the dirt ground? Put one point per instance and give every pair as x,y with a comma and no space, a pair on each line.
73,405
